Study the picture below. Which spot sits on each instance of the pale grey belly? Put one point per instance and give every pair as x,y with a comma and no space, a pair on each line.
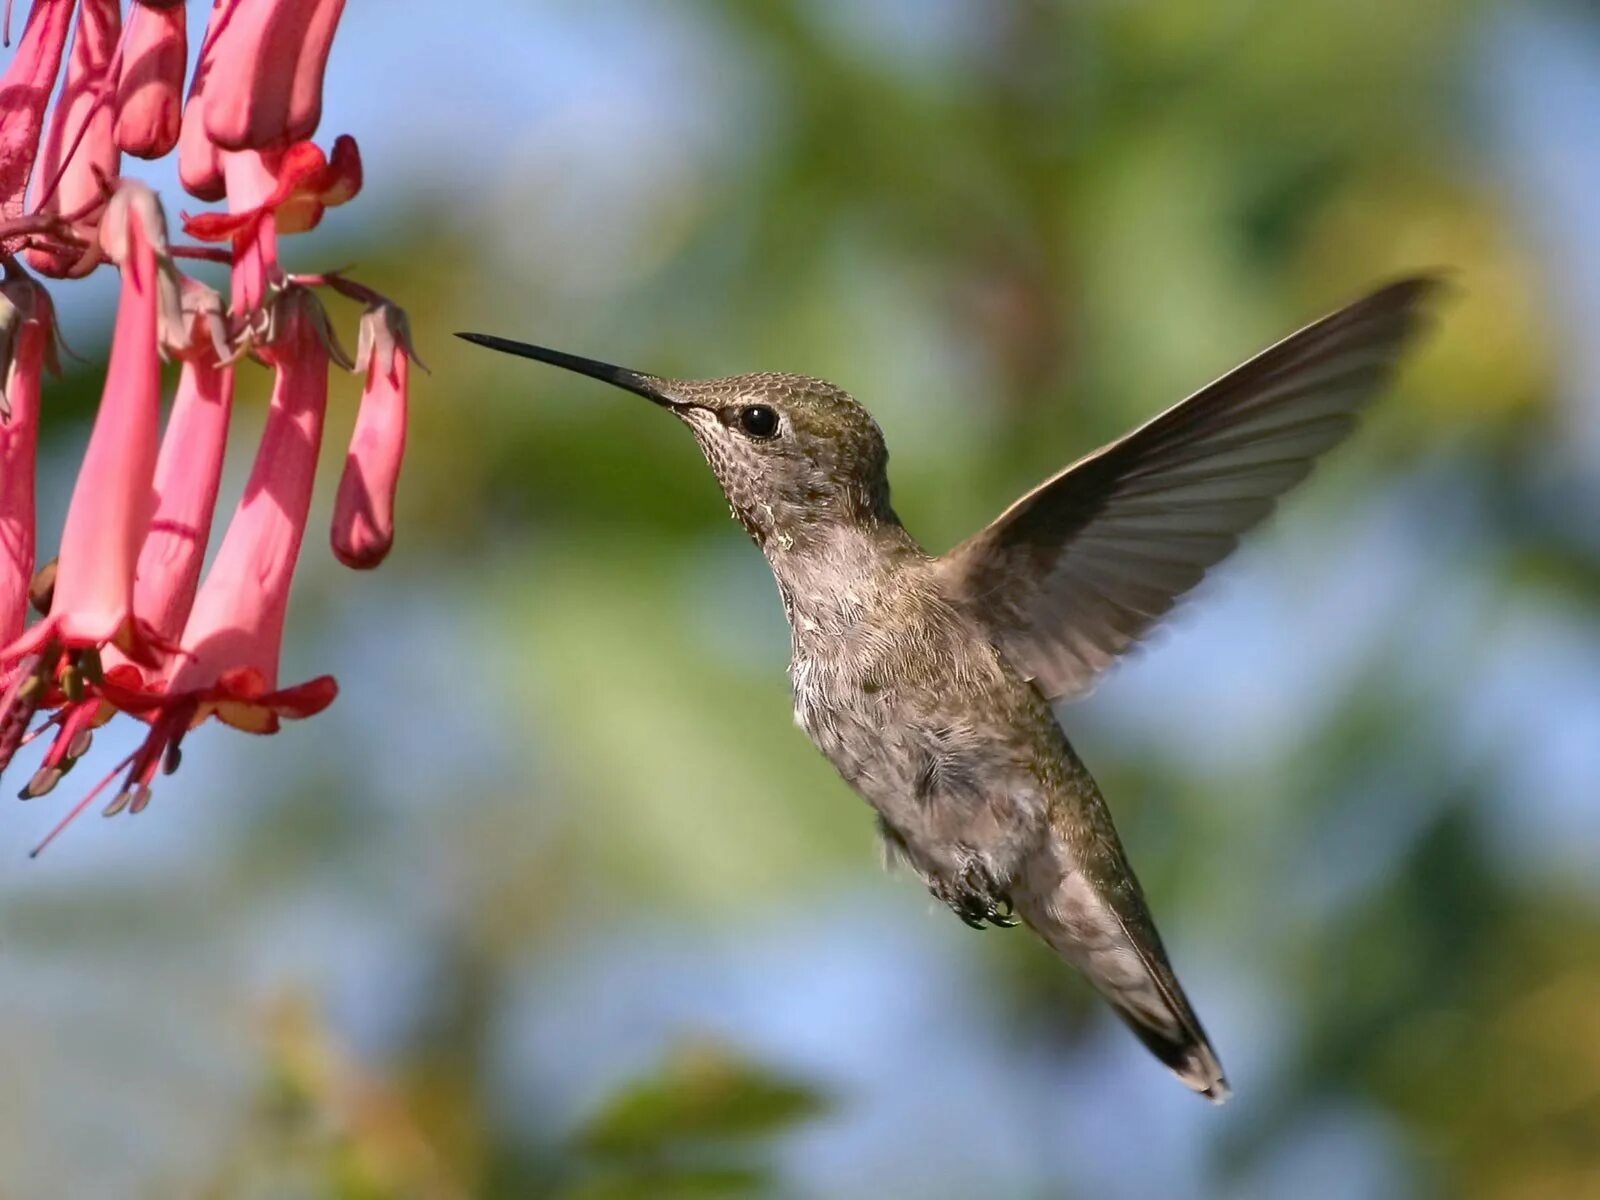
952,783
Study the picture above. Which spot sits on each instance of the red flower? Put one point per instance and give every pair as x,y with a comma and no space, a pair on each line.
80,158
234,636
294,187
130,627
199,159
272,192
110,508
269,63
187,477
27,332
235,631
155,51
363,514
26,89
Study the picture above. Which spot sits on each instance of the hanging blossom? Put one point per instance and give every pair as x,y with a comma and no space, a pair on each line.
128,624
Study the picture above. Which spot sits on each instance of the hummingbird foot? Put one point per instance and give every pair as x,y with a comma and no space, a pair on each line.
976,898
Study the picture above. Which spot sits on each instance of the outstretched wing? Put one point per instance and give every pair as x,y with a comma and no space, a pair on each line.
1085,564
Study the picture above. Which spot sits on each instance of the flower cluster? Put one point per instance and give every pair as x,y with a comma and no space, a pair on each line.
126,623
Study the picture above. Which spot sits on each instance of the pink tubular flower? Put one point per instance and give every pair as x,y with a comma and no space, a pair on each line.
24,93
149,105
234,636
188,472
269,66
235,631
27,347
251,182
110,508
188,475
273,192
270,60
305,98
199,160
363,513
80,156
295,187
27,330
129,625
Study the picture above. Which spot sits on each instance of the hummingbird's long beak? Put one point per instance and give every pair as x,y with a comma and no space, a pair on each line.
647,386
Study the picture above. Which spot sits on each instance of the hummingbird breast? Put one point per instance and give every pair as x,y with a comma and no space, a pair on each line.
919,713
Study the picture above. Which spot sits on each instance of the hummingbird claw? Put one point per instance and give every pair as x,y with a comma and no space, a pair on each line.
975,899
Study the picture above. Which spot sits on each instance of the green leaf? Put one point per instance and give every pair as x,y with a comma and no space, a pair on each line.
703,1092
694,1183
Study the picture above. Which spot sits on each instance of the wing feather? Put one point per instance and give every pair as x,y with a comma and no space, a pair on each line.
1084,565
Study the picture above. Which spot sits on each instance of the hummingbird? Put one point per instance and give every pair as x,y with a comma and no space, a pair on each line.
928,680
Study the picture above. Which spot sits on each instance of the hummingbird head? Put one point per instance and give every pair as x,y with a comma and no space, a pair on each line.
796,457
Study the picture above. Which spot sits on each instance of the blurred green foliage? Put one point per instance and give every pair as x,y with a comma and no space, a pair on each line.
325,1127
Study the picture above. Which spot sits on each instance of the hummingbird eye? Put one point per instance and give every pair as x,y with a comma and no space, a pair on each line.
758,420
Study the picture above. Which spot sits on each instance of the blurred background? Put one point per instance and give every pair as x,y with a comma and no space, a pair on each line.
556,900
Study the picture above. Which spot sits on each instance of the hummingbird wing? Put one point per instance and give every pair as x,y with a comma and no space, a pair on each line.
1084,565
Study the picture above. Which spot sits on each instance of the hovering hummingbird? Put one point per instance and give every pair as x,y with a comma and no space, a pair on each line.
927,681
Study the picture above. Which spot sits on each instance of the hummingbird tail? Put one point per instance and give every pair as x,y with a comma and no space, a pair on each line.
1182,1047
1110,938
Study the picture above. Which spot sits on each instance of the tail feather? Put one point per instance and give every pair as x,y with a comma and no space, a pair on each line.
1183,1048
1100,925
